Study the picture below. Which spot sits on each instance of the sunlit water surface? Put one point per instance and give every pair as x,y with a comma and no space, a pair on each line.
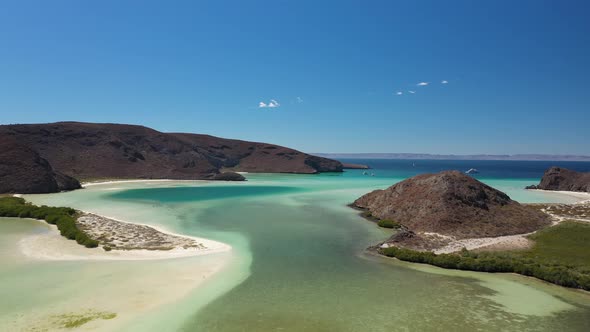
298,263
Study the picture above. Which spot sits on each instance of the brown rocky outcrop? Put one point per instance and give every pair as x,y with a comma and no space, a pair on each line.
23,171
557,178
452,204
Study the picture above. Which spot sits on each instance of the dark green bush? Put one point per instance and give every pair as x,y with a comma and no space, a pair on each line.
492,262
386,223
62,217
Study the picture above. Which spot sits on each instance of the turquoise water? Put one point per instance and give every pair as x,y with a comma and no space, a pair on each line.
299,263
309,270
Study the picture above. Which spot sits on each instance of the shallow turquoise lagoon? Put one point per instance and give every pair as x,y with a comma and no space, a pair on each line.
299,262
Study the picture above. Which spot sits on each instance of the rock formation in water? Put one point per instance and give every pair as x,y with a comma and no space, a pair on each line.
94,151
453,204
229,176
23,171
557,178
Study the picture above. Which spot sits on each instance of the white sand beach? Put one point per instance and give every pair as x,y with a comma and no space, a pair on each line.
579,196
98,183
51,245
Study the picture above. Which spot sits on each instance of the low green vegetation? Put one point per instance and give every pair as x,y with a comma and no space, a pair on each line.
560,255
64,218
386,223
70,321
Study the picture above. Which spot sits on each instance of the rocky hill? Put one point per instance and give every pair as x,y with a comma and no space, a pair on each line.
453,204
557,178
23,171
92,151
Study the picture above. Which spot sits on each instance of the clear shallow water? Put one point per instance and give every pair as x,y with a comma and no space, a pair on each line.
300,262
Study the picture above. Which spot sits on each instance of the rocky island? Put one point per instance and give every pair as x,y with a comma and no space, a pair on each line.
562,179
453,221
437,209
42,158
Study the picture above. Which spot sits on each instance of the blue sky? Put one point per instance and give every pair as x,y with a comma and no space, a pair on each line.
518,72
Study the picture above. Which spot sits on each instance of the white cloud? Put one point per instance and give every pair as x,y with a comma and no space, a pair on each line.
412,92
399,93
299,100
444,82
423,84
271,104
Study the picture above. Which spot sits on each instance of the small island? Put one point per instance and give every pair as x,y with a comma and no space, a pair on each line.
562,179
452,220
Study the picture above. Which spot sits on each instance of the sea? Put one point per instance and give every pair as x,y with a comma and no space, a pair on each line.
298,261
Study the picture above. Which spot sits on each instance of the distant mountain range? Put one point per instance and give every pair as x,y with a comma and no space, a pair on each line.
544,157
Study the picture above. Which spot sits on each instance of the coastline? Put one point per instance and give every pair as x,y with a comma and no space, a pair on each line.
97,183
581,196
51,245
506,242
169,275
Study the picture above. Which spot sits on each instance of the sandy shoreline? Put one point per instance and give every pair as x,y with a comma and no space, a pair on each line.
517,241
580,196
98,183
157,277
50,245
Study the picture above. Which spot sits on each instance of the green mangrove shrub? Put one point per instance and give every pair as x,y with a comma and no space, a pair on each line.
386,223
63,217
492,262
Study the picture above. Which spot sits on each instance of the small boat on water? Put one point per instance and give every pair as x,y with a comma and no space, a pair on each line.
365,173
472,171
372,174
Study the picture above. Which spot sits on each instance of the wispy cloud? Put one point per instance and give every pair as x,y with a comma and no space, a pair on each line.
444,82
412,92
423,84
299,100
399,93
271,104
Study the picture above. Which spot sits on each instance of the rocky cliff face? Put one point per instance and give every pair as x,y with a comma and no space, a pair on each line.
557,178
453,204
91,150
23,171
